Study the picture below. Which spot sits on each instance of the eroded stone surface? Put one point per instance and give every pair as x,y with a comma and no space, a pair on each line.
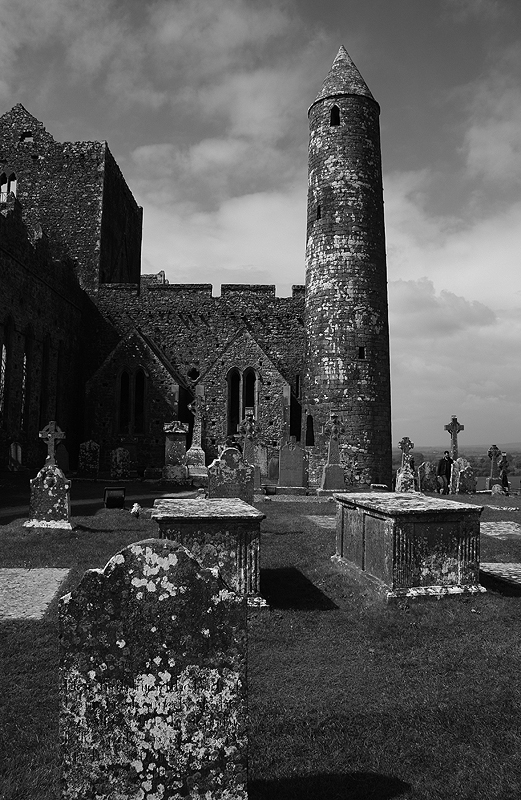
120,464
50,503
293,464
153,681
230,476
27,593
88,460
427,478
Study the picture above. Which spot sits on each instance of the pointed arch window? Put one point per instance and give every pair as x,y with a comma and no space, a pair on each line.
131,401
334,116
234,401
44,383
310,431
3,380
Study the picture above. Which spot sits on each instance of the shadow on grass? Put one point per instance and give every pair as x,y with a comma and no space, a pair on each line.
353,786
288,588
496,584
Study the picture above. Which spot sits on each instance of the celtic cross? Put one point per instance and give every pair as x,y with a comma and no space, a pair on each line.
334,428
493,453
454,427
51,435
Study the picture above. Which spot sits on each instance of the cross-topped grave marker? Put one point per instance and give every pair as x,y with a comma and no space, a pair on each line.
406,446
493,453
454,427
51,435
333,479
335,429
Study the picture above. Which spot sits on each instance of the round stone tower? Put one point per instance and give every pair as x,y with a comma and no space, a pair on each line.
347,333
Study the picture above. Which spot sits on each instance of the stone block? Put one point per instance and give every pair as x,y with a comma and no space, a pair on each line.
413,546
153,695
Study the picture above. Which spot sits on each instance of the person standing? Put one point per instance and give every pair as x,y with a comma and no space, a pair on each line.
443,472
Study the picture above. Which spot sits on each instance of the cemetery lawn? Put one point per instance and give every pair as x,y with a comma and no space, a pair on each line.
348,697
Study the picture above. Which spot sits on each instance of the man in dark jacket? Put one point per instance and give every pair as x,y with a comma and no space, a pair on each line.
443,472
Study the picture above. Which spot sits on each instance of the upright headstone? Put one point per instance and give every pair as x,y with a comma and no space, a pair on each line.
50,503
462,479
504,469
15,457
153,694
454,427
231,476
493,453
195,457
427,479
249,431
405,475
88,460
293,469
175,469
120,466
333,479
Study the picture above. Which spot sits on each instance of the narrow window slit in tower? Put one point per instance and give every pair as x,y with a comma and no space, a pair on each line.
334,118
361,352
319,212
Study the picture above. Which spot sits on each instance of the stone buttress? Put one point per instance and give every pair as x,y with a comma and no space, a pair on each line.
347,349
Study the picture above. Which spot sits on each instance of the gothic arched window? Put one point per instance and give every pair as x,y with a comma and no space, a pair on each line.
139,402
131,392
234,401
124,402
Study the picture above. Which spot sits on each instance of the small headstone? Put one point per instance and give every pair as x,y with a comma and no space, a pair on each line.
175,452
50,504
427,478
293,464
120,467
405,476
273,467
88,460
231,476
493,453
153,696
15,457
333,478
195,457
463,479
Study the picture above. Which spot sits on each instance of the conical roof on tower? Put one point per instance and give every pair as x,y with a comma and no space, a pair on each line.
343,79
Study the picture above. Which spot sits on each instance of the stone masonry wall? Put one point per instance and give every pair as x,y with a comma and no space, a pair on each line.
346,286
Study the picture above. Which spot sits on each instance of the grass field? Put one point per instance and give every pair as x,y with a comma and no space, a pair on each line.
348,698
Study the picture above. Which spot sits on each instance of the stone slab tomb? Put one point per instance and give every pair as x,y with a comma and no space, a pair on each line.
412,546
231,476
153,695
293,467
219,533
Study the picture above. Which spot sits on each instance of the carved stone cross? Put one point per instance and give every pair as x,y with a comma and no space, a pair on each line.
454,427
249,430
406,446
335,428
51,435
493,453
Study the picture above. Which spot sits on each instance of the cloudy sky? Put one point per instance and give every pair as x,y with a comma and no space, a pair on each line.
204,105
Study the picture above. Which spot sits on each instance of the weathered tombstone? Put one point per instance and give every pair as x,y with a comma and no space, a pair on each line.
175,469
333,479
427,478
153,694
231,476
50,503
88,460
273,467
463,479
249,431
493,453
454,427
405,475
120,468
195,457
15,457
293,469
504,469
413,546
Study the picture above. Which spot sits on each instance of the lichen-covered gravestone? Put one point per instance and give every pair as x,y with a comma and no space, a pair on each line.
153,681
88,460
120,465
50,503
463,478
230,476
427,478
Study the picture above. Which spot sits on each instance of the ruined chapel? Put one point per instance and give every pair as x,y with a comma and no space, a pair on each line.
112,355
